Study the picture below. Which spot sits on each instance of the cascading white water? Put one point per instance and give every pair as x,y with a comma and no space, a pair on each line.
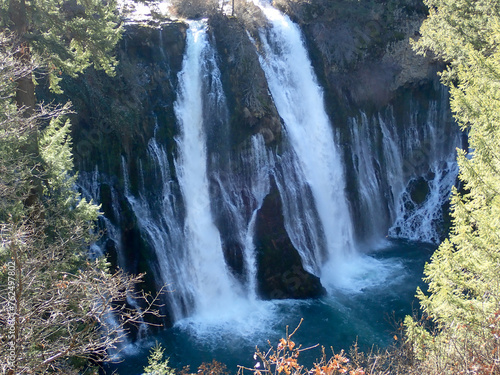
213,287
299,101
406,178
177,220
420,218
378,167
373,195
420,222
222,304
161,226
299,211
393,161
90,184
261,161
242,196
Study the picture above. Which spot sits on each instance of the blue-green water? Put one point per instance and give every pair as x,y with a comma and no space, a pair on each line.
364,309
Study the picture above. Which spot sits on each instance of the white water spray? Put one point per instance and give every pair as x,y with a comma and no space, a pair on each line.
421,221
299,210
242,197
213,287
300,103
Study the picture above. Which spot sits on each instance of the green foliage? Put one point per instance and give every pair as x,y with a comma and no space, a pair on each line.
55,151
454,30
463,275
55,303
66,36
156,364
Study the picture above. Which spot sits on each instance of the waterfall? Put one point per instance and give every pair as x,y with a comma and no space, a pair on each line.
241,196
377,158
176,221
300,103
190,205
404,174
420,221
393,160
429,150
184,209
299,211
196,192
90,185
212,284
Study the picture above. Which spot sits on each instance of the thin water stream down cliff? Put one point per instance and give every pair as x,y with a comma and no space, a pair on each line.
241,206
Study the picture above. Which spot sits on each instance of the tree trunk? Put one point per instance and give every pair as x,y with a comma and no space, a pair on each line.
25,91
25,94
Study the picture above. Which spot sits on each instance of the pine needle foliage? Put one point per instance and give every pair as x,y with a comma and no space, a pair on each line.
157,365
58,308
65,36
464,274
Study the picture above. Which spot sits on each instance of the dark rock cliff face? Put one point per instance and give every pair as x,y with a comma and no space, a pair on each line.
361,49
252,111
116,117
251,107
362,58
280,273
361,52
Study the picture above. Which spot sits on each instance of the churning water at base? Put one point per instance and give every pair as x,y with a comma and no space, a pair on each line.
218,314
367,315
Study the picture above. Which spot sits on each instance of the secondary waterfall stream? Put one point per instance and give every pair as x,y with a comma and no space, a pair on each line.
300,103
176,220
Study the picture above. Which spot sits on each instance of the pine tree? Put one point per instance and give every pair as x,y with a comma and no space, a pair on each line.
58,308
64,36
464,274
156,364
58,37
56,305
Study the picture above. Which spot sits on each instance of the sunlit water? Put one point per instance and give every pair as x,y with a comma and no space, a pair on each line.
364,308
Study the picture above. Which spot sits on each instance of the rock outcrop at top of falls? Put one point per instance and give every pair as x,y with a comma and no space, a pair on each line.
251,106
361,50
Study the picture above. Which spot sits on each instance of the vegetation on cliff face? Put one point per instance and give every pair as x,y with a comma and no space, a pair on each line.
460,330
194,9
55,301
117,115
64,36
251,107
